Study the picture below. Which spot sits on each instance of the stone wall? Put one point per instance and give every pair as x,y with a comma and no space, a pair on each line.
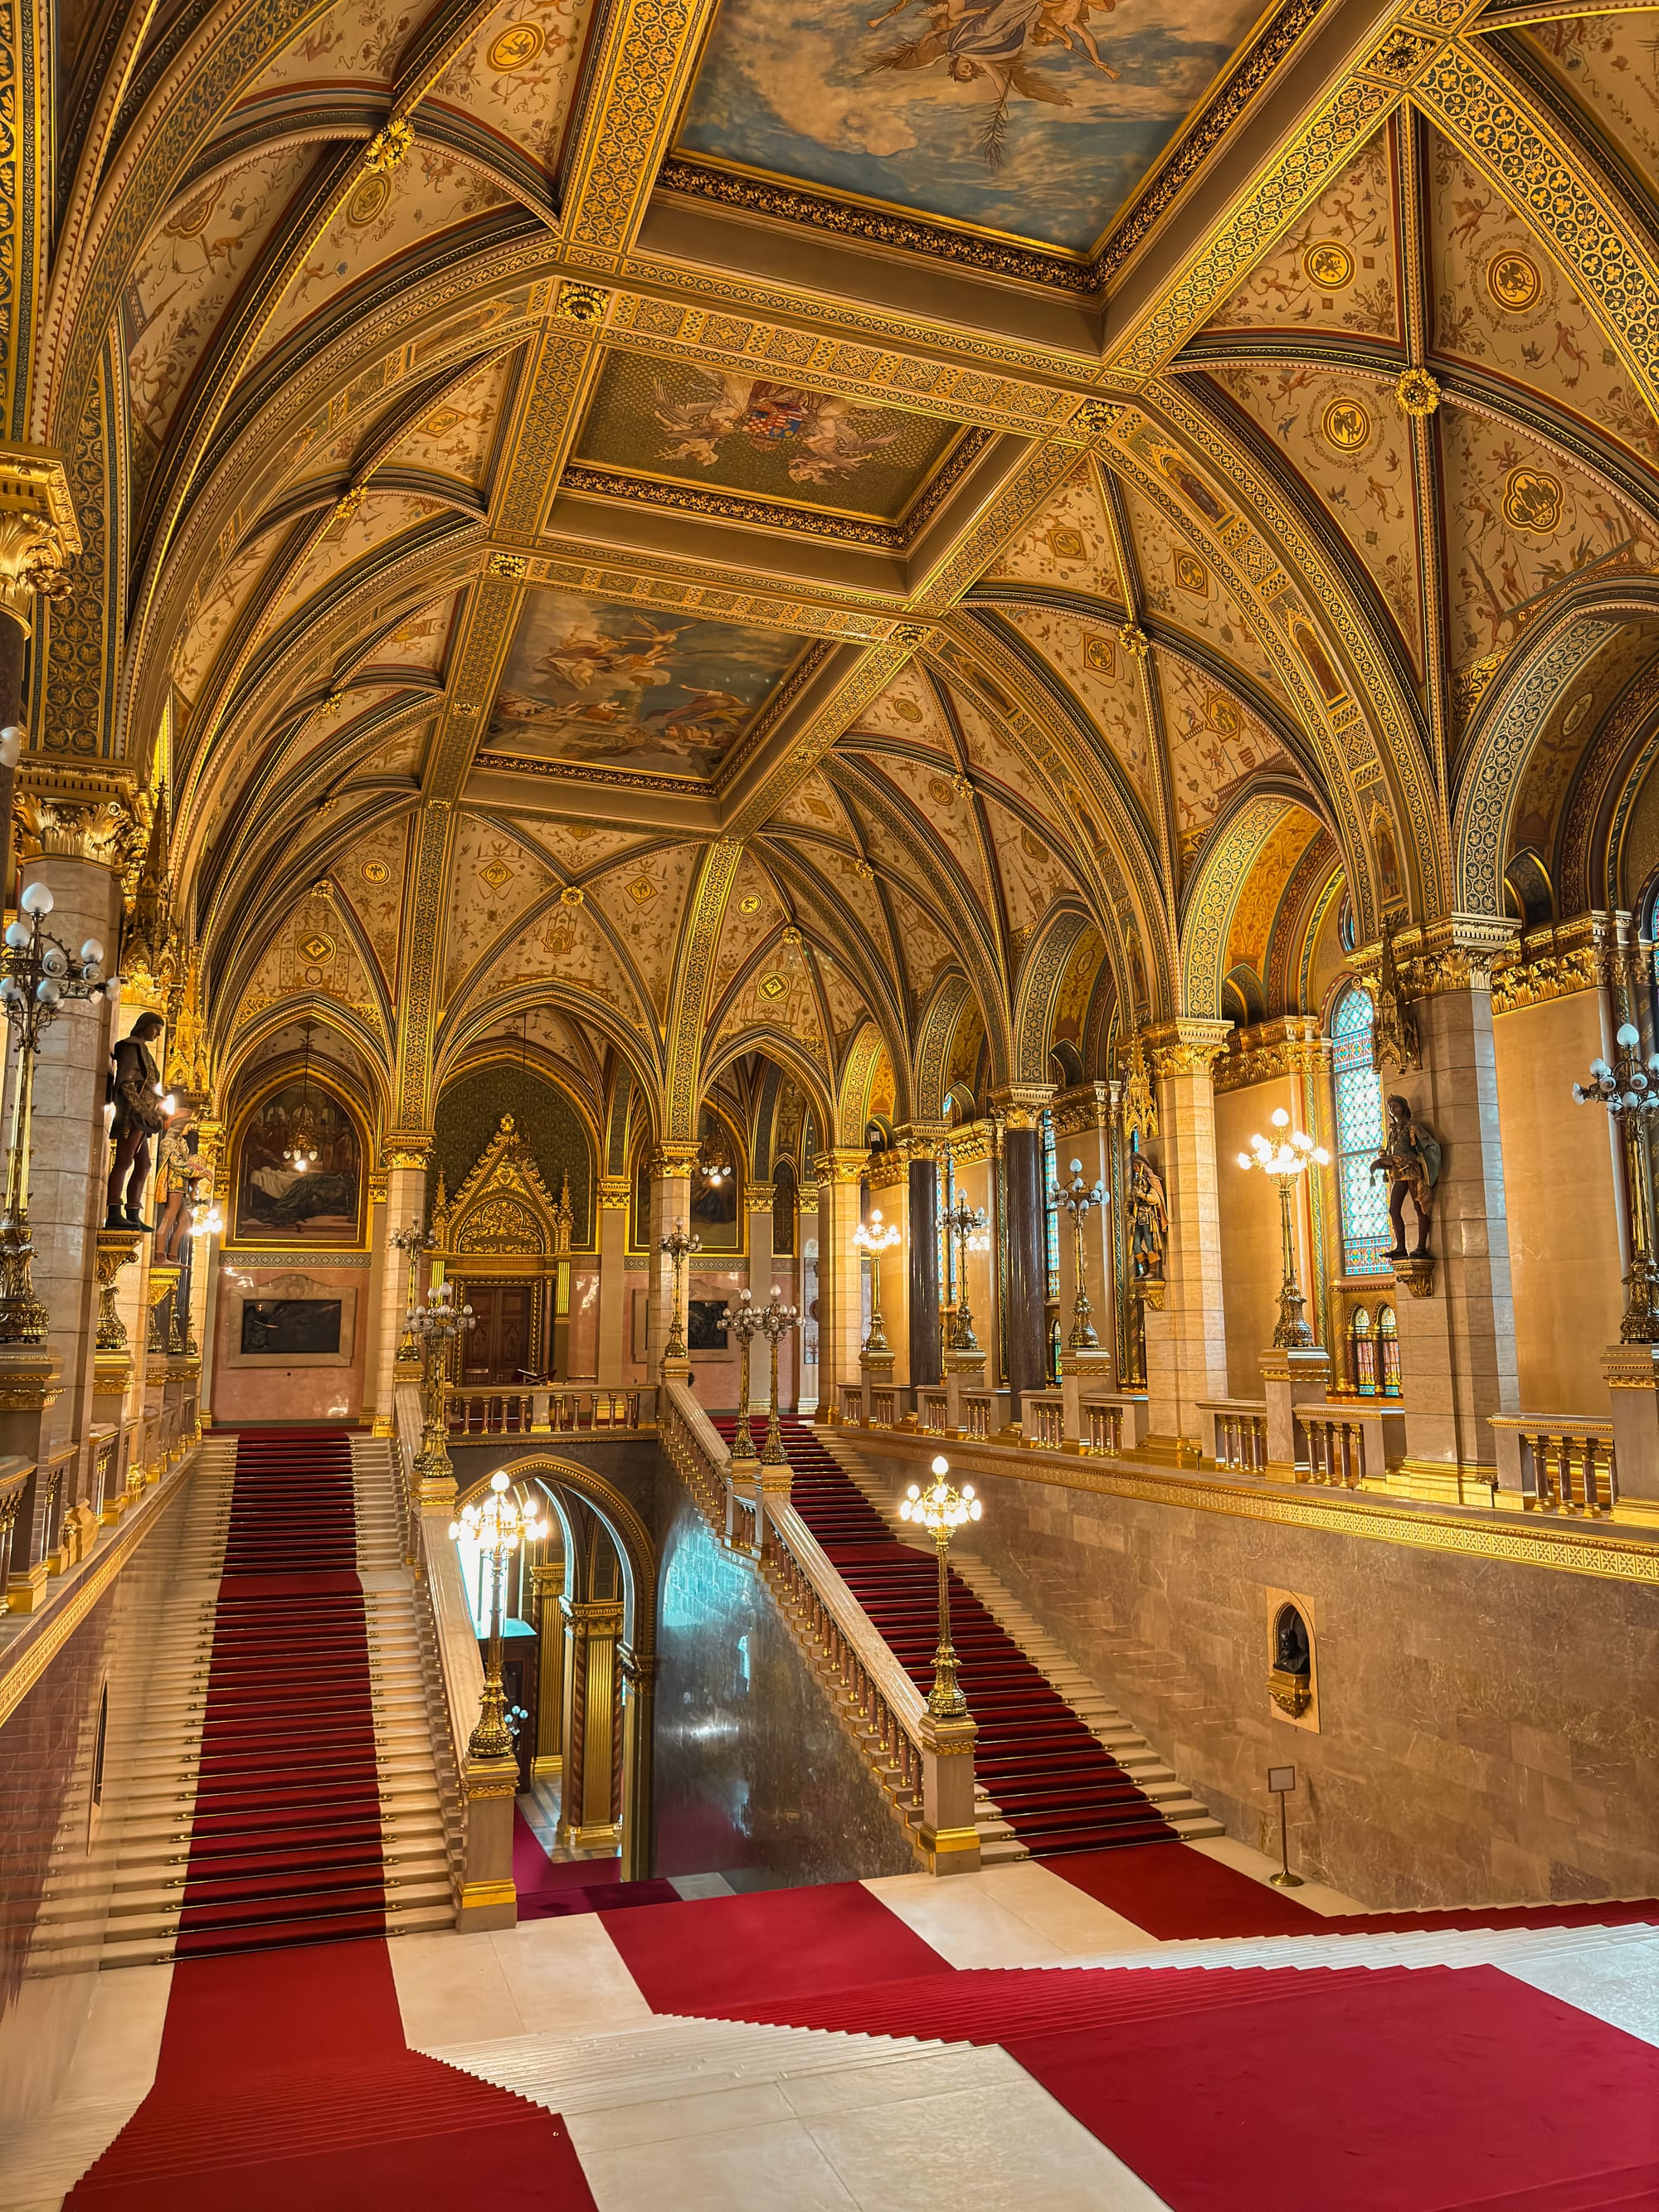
755,1778
1484,1735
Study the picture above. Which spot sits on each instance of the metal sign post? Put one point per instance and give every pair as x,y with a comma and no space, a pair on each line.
1281,1780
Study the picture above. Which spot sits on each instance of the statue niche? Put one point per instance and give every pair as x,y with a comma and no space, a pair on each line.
1290,1678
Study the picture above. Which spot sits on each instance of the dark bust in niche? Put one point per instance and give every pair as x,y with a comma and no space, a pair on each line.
1292,1654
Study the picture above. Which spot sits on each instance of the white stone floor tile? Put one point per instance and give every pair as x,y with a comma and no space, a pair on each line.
566,1975
671,2119
1259,1867
452,1989
930,2073
758,2169
1071,1919
963,1921
1618,1985
1007,2143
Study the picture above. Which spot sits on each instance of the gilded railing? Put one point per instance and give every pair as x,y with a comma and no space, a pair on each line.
1565,1466
550,1410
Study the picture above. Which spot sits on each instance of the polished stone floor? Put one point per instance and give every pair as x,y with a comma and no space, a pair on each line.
710,2113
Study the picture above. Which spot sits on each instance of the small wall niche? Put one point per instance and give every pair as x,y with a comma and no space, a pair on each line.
1292,1660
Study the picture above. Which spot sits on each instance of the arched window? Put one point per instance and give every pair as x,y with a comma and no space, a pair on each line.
1050,1213
1387,1353
1367,1233
1362,1353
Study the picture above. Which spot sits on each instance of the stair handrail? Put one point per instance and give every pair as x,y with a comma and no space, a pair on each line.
928,1761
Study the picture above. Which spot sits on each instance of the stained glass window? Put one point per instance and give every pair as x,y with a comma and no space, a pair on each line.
1367,1233
1050,1213
1388,1352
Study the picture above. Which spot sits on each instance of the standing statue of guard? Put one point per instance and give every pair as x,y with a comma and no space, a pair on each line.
1149,1221
1410,1157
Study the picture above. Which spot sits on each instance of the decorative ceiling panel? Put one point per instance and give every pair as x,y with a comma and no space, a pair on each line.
1036,121
1069,543
1336,269
515,80
586,681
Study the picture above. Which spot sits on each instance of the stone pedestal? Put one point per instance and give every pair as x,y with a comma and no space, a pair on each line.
1632,1373
963,1371
876,1370
949,1835
489,1896
1082,1371
1289,1379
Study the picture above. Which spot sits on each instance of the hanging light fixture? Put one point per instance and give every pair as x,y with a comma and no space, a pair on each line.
304,1146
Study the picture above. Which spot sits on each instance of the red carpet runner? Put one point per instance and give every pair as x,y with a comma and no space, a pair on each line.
1057,1786
286,1846
283,2078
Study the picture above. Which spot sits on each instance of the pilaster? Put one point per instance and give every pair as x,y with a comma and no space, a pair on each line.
589,1803
613,1196
1187,1340
840,1303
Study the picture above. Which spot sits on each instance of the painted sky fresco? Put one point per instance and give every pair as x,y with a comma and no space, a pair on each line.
759,434
1037,117
631,687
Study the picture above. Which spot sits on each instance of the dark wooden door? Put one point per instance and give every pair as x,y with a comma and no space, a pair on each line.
499,1346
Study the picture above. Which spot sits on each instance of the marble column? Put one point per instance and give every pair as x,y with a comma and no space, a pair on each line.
548,1582
840,1276
807,1245
1457,1360
382,1262
1025,1324
613,1198
921,1252
890,1193
672,1167
1187,1342
589,1804
69,1157
761,1276
405,1208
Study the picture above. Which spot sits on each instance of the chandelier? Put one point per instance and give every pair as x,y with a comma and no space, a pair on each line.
304,1145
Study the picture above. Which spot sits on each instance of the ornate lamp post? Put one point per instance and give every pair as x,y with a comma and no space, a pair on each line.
1286,1160
743,1324
967,1225
414,1241
438,1324
876,1237
774,1321
1630,1092
39,976
497,1526
941,1511
1076,1199
678,1247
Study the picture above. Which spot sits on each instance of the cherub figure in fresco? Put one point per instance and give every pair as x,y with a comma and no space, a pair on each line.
823,431
989,42
579,659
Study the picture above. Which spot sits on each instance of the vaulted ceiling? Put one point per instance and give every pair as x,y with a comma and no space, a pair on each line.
785,527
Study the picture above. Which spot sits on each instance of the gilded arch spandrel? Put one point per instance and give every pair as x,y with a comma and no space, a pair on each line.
1042,973
1224,867
1259,549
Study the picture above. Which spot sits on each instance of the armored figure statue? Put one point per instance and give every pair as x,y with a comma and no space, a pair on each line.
1149,1221
1410,1157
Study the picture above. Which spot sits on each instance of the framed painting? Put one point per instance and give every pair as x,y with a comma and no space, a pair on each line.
278,1203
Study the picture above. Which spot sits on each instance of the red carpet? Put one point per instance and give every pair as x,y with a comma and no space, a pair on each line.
1176,1892
283,2081
286,1843
553,1889
1357,2092
722,1955
1055,1784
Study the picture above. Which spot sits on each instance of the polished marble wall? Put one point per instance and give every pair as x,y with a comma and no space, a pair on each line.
755,1779
52,1834
1487,1732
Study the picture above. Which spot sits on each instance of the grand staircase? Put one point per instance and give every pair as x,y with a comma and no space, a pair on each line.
1058,1768
269,1778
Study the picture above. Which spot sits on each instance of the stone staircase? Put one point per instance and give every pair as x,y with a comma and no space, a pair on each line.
1118,1735
117,1902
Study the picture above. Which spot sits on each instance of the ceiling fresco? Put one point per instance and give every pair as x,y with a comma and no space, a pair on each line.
619,686
1036,117
762,435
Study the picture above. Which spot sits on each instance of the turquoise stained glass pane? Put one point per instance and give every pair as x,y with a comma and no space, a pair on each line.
1367,1232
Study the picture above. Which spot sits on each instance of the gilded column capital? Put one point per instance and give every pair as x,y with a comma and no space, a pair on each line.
77,814
671,1163
920,1140
1566,957
38,535
759,1198
614,1191
1457,953
1293,1045
845,1165
1083,1107
1185,1047
1021,1104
